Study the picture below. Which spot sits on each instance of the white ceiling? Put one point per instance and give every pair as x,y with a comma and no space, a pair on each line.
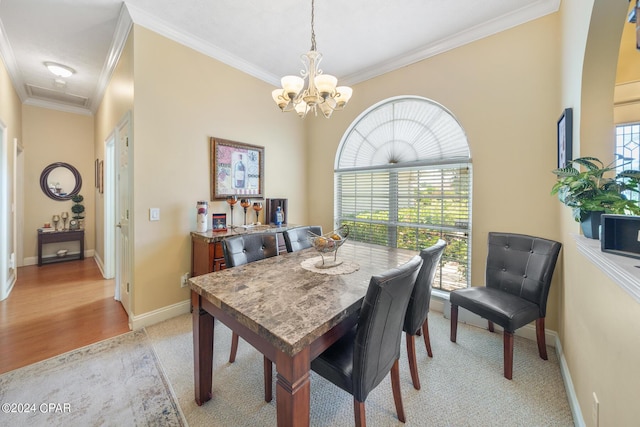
359,39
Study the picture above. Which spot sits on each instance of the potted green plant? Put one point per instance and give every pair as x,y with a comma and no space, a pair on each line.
78,209
590,193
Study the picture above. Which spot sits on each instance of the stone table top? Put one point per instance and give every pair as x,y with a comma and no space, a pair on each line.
216,236
289,305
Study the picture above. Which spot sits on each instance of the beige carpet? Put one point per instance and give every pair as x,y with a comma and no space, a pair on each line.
462,385
116,382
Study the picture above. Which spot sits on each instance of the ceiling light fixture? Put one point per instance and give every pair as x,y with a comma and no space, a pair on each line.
59,69
321,93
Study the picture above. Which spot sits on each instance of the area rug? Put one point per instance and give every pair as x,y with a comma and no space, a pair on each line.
116,382
462,385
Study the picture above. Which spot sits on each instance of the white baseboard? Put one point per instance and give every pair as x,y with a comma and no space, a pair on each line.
578,420
159,315
33,260
100,264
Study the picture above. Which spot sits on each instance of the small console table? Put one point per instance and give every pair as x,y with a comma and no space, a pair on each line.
56,237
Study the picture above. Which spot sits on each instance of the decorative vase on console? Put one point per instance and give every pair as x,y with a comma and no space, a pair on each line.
65,217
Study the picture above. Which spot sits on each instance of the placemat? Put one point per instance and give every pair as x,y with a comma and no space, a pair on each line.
345,268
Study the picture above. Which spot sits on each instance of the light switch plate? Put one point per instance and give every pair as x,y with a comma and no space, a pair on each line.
154,214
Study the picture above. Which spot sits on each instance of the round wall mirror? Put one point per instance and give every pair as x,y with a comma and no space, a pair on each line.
60,181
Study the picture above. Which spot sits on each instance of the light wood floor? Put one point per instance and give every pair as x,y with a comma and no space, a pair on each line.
57,308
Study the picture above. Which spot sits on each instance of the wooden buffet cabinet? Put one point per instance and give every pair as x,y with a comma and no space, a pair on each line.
206,248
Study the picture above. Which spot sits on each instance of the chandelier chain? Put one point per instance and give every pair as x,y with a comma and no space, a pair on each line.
313,32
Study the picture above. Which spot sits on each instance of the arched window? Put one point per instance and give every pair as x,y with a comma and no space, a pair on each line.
403,179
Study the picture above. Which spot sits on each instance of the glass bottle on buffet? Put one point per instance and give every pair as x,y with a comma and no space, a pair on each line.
279,217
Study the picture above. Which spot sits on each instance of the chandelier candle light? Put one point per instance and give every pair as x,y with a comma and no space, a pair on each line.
321,93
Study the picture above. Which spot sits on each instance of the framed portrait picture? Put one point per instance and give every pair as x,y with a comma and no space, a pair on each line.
565,137
237,169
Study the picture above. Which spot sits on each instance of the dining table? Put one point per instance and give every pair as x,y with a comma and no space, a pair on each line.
289,310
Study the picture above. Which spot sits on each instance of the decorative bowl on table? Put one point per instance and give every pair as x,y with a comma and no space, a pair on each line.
329,243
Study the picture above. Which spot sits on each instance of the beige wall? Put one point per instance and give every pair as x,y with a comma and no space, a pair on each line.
181,99
117,101
628,69
627,93
598,331
504,91
54,136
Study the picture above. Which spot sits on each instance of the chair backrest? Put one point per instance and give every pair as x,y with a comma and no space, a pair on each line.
296,239
379,330
418,307
522,265
245,248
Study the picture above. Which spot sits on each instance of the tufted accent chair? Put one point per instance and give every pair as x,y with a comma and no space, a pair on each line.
416,319
363,357
297,238
243,249
517,280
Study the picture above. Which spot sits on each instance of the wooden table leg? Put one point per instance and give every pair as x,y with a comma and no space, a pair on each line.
202,350
293,389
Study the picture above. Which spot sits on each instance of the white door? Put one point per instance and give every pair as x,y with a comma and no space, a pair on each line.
123,213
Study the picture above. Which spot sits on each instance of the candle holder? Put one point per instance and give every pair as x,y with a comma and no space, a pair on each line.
55,219
245,203
231,200
257,206
65,217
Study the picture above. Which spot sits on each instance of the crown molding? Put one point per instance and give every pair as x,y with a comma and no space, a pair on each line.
525,14
153,23
10,63
120,35
36,102
130,14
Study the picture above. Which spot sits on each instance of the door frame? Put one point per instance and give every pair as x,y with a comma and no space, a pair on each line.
5,287
109,225
125,121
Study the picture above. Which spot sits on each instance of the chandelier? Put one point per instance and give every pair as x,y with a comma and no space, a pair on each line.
321,93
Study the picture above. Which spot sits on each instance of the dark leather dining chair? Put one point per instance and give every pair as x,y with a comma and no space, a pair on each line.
517,281
243,249
360,360
297,238
418,309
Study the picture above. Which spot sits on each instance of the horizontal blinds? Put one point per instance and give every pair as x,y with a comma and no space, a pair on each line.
424,198
409,208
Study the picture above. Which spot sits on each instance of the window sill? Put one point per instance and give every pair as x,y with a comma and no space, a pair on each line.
624,271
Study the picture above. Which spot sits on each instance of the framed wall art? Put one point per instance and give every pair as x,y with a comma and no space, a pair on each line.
237,169
95,172
565,137
101,177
